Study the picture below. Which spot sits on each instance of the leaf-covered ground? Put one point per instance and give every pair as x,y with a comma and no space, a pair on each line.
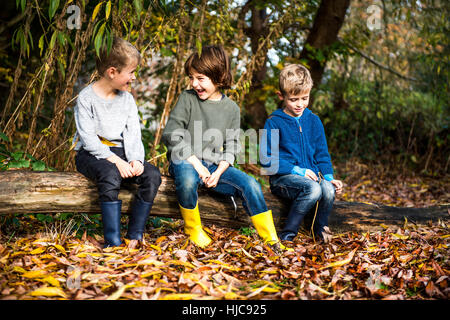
407,263
386,184
47,261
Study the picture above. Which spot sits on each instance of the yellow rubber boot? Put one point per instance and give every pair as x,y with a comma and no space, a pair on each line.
265,227
193,226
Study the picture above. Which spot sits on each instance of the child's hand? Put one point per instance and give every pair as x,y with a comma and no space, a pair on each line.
125,169
338,185
202,171
137,167
311,175
213,179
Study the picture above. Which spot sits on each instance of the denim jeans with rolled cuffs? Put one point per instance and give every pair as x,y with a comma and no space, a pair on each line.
232,182
304,194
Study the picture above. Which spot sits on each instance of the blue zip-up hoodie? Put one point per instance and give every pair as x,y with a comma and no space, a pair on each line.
302,143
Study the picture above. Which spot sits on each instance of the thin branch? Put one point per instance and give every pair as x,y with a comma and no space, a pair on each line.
376,63
12,22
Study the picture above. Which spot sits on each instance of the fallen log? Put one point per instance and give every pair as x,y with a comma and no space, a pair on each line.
52,192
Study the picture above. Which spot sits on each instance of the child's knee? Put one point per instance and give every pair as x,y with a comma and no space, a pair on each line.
109,174
315,191
252,186
328,191
152,174
187,183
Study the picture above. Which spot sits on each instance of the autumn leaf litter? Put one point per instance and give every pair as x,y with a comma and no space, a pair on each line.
411,262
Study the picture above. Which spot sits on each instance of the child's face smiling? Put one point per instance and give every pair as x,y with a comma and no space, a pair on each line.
123,79
204,87
294,105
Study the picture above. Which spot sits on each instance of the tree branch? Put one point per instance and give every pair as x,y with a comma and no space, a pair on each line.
376,63
12,22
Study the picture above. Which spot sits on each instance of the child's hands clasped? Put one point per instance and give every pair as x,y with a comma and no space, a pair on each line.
137,167
213,179
202,171
127,170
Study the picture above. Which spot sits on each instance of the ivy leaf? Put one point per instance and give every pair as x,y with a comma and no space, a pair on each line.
38,166
4,137
17,164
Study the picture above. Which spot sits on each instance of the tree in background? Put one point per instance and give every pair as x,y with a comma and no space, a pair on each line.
381,91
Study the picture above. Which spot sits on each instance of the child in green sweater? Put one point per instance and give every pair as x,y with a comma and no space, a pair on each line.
202,137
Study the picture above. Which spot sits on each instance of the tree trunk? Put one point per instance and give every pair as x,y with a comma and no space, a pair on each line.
255,108
326,26
51,192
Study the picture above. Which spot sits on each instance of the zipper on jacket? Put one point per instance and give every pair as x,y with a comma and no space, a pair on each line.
302,143
300,138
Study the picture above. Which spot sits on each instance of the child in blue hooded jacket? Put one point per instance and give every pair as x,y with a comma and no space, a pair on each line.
298,161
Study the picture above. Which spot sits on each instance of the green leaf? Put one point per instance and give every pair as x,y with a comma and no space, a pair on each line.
138,8
99,38
16,155
198,45
44,217
108,9
19,164
379,115
62,39
54,4
61,68
22,4
53,40
4,136
24,163
41,44
120,5
109,39
38,166
96,9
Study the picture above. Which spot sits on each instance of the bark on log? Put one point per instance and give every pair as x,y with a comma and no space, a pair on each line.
52,192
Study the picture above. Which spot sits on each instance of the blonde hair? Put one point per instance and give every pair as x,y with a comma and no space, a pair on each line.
295,79
121,54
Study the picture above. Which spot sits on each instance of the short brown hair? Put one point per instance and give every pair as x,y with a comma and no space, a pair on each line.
121,54
295,79
214,63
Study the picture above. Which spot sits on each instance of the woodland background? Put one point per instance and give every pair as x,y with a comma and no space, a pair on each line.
380,70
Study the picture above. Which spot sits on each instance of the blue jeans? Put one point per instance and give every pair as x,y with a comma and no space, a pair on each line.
232,182
304,194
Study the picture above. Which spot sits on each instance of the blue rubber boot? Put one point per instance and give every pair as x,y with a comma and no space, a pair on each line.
111,211
138,219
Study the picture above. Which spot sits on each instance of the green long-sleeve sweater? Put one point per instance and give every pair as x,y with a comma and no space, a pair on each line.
204,128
